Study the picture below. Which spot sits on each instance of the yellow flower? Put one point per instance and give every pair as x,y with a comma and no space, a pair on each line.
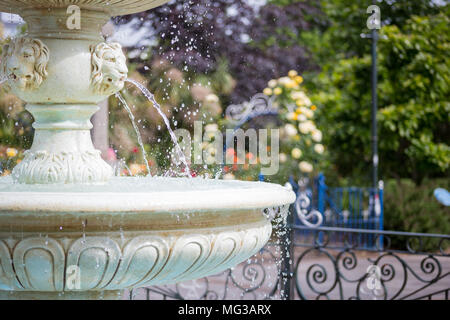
306,127
291,84
316,135
292,73
284,81
305,166
272,83
277,91
296,95
296,153
290,130
298,79
313,107
307,112
292,116
11,152
267,91
319,148
301,99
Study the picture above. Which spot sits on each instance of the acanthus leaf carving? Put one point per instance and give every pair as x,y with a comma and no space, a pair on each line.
8,280
97,259
63,167
42,263
143,258
39,264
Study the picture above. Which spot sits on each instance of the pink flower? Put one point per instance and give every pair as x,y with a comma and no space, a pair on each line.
111,155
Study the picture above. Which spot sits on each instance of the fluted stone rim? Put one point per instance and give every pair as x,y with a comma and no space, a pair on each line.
152,194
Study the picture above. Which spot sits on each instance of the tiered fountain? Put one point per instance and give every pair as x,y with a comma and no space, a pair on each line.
68,229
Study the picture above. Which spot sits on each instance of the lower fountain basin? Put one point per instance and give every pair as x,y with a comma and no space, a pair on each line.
130,232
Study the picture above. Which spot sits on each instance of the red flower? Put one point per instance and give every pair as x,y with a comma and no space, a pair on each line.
135,150
230,152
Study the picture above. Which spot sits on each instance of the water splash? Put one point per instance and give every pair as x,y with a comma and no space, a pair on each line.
139,138
156,105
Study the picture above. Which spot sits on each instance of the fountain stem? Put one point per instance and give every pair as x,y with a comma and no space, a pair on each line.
62,150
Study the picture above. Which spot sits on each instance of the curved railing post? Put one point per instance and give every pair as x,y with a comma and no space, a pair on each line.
321,193
381,221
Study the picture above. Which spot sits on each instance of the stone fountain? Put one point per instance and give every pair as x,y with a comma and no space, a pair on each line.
68,228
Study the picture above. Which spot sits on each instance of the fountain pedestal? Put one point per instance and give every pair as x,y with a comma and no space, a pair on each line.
62,73
62,150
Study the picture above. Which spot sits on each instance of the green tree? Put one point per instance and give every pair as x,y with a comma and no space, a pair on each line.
413,97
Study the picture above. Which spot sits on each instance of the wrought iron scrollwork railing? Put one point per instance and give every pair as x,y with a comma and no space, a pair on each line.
310,217
329,270
317,268
312,261
257,278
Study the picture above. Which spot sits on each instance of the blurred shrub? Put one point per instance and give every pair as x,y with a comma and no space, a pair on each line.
413,208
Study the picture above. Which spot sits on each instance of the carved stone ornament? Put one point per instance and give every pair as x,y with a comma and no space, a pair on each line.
62,167
24,63
130,260
62,150
109,69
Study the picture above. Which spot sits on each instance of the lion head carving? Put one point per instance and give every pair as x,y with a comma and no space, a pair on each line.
24,63
109,69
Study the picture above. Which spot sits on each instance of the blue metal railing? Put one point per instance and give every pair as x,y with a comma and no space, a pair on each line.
345,207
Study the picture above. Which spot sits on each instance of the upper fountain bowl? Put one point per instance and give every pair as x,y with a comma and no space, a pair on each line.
64,48
112,8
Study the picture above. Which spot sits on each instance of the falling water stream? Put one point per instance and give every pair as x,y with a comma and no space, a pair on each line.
156,105
133,122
